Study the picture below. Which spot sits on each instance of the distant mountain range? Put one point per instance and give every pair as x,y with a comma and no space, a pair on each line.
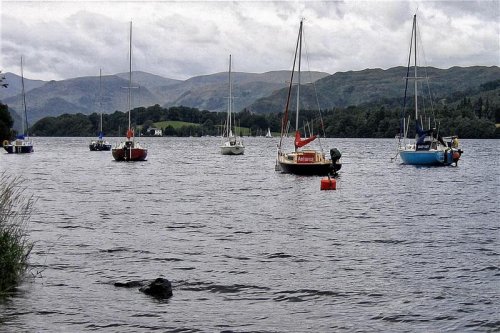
81,95
260,93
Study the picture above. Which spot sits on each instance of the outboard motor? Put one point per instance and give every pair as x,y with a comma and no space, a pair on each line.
335,155
126,150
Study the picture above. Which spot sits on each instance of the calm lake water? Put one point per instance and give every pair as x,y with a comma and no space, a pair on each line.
394,249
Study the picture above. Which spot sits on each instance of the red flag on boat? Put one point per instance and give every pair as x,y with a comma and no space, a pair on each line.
299,142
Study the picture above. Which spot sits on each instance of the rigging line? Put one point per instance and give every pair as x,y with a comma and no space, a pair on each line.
285,116
313,85
403,111
229,105
299,72
395,156
130,76
100,101
23,101
422,105
426,76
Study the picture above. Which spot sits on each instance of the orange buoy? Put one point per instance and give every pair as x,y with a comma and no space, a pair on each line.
328,184
456,156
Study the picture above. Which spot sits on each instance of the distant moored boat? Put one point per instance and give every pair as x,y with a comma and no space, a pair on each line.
100,144
22,144
232,145
129,150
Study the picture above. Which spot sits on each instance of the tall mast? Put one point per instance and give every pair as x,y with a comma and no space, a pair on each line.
230,101
25,116
415,54
284,122
130,77
298,80
100,99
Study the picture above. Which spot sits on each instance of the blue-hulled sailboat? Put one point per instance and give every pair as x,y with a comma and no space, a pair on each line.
428,148
22,144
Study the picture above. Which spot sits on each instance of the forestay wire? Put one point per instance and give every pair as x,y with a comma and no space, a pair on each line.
403,111
314,88
425,66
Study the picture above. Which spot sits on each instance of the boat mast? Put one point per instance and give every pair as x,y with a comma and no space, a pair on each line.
415,54
100,101
298,78
130,77
25,120
285,123
229,110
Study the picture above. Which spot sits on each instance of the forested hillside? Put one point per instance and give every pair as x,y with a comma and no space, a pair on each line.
377,86
468,114
258,93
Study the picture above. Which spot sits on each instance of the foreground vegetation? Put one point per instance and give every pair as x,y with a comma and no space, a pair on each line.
15,247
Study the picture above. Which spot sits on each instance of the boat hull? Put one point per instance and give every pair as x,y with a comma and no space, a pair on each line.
232,150
232,147
129,154
309,169
308,163
430,157
99,146
18,148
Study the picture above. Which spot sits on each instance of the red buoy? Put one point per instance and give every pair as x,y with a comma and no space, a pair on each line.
328,184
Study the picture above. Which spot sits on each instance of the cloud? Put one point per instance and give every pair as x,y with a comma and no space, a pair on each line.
180,39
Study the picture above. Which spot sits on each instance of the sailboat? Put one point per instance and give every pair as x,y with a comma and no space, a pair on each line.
22,144
428,148
129,150
303,160
268,134
232,145
100,144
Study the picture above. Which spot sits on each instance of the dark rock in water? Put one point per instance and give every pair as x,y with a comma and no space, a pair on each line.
159,288
129,284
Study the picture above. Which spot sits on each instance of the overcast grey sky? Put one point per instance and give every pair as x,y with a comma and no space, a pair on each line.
181,39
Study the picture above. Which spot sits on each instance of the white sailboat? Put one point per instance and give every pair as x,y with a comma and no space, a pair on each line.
428,148
268,134
22,144
232,145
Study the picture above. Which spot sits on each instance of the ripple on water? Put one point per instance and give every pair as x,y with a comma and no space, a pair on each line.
394,248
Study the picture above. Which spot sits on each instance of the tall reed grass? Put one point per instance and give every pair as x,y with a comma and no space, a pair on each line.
15,246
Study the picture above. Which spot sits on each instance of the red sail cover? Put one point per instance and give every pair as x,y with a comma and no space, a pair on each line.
302,142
